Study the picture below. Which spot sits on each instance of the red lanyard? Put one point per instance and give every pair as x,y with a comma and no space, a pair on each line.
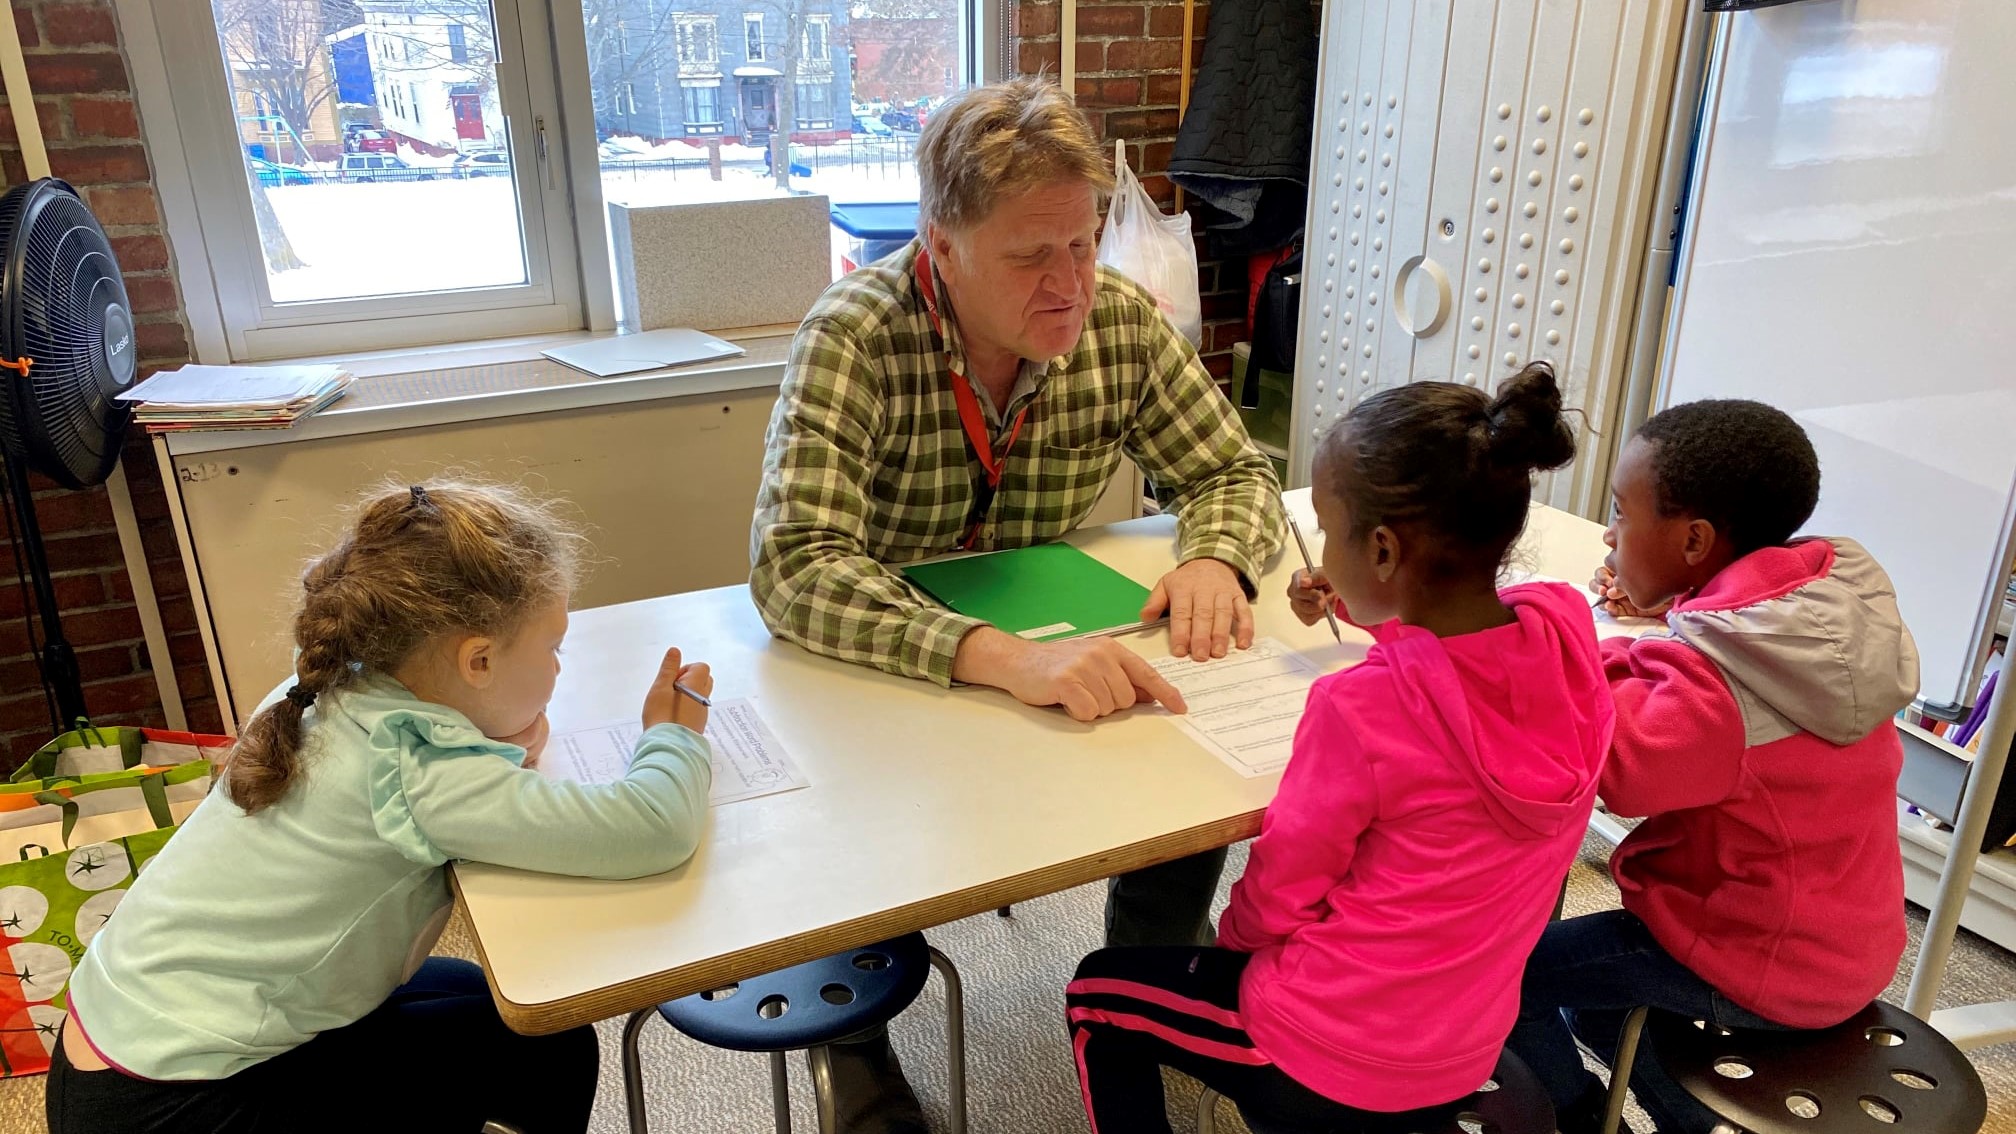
969,413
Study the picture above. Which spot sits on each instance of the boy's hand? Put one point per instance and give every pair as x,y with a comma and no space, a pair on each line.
532,740
1309,594
1616,601
664,704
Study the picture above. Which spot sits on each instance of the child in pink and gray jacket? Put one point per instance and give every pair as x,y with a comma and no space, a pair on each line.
1367,971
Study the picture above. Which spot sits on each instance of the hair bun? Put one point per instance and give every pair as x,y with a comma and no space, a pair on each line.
1525,421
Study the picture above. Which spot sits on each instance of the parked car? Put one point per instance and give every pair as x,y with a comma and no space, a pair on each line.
364,140
872,126
273,174
495,163
899,118
379,167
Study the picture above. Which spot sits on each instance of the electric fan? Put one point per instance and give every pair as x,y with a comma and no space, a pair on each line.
66,333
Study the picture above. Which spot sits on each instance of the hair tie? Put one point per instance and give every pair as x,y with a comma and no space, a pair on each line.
302,698
420,497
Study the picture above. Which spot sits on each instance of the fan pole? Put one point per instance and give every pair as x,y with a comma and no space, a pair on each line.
59,661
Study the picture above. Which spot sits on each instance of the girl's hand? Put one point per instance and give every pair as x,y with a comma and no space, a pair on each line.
1616,601
532,740
664,704
1309,595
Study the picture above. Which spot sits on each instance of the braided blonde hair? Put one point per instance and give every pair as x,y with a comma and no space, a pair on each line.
419,562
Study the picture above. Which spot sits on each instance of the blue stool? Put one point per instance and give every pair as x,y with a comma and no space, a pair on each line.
1882,1069
1511,1101
805,1008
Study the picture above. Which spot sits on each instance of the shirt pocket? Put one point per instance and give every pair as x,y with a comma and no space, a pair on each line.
1069,479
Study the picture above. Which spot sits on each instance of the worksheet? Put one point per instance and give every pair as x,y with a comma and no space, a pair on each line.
1244,706
748,761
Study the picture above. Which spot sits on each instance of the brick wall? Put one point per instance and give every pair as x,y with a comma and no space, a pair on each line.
1129,84
84,99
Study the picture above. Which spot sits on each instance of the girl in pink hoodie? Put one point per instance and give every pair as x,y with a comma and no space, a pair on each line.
1368,967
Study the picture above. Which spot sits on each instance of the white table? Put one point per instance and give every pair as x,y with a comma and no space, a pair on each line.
924,805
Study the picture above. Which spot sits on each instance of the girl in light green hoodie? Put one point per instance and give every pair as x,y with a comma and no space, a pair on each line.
272,961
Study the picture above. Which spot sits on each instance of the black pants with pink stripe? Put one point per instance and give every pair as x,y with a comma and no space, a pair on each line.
1135,1011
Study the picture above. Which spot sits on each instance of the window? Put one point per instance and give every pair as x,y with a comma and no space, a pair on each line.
702,107
696,41
815,106
407,234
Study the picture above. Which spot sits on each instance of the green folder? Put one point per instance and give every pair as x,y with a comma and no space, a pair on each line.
1044,593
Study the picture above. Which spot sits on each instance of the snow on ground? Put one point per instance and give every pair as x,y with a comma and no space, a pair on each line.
396,237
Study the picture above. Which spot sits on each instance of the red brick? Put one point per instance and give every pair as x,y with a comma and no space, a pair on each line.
1127,124
104,118
1155,156
187,650
1165,21
98,164
1033,21
1037,58
79,25
1160,190
178,617
1091,56
1219,365
24,26
1144,55
1164,90
162,340
1109,92
153,295
82,552
106,624
1222,336
193,681
48,110
80,73
141,252
72,592
132,695
87,509
12,172
123,204
203,715
1224,305
92,665
1114,20
24,711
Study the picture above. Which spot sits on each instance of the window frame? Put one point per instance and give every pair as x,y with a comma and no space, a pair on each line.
757,50
824,22
188,115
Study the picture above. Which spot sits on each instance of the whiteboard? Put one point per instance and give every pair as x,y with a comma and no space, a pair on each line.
1851,259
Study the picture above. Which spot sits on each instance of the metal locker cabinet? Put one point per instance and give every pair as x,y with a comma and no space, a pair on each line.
1483,176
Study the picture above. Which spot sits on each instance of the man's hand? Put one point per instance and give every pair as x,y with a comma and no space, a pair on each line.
1208,611
1089,677
1616,601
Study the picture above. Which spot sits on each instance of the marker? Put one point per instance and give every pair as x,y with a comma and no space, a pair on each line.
1311,567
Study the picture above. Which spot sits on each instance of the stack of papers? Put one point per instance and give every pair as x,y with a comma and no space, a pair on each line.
234,397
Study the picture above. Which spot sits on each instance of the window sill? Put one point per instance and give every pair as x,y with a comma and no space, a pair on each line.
428,386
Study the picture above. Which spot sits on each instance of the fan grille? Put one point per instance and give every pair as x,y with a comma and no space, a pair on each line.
62,304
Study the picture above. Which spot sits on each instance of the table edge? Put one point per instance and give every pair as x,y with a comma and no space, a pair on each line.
552,1016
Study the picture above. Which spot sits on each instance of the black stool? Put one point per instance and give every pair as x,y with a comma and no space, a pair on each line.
805,1008
1883,1069
1511,1101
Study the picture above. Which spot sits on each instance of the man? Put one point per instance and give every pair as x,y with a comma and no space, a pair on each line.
978,390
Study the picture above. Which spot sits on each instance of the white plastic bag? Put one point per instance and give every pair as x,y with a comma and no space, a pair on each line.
1153,250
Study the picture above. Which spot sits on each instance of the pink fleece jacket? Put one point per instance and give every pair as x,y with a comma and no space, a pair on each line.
1757,740
1436,796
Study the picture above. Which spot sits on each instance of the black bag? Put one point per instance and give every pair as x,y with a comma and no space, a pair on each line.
1275,315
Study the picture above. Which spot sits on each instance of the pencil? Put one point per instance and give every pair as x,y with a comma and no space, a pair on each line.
1311,568
704,702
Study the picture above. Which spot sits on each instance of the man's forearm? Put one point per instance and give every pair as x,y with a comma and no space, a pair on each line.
985,656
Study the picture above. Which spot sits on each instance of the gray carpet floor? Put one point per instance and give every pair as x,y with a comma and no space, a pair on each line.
1019,1070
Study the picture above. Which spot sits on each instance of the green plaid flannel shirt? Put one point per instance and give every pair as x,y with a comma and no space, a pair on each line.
866,463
